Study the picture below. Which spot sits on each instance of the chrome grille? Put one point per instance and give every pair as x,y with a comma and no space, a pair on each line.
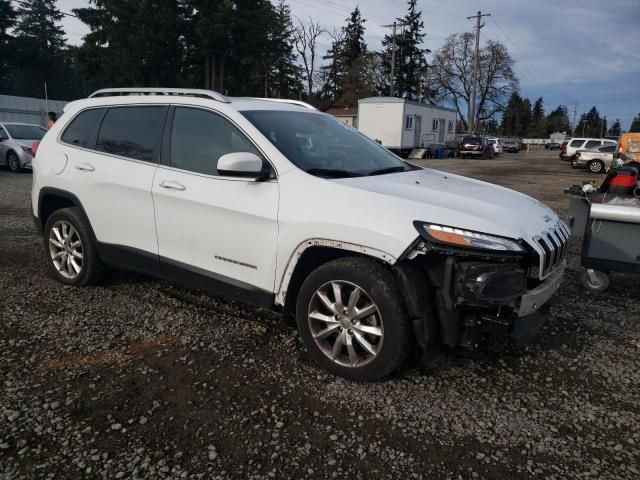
551,247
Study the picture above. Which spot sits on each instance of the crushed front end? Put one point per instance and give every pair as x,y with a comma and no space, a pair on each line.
461,286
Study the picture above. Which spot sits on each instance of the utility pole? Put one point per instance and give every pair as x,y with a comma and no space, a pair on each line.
476,66
575,112
394,26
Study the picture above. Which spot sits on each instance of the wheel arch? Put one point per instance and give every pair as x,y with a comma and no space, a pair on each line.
312,253
52,199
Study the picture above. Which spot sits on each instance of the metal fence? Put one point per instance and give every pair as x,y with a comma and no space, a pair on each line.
27,109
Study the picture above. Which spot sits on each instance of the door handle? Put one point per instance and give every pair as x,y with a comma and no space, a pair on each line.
172,184
85,167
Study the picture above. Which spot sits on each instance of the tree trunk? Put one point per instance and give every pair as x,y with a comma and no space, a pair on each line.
207,71
221,70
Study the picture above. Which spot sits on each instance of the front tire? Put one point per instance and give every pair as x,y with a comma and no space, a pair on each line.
352,319
13,162
71,254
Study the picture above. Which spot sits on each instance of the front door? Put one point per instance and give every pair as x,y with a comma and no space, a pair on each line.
217,232
417,131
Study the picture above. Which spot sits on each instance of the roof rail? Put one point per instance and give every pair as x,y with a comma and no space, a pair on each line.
284,100
187,92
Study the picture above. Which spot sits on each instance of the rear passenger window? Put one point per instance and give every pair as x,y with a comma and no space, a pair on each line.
592,143
608,148
576,143
79,131
132,132
199,138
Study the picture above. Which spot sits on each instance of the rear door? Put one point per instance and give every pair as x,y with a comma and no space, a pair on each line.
217,232
112,173
4,145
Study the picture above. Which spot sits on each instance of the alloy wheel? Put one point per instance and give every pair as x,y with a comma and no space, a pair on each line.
65,248
345,323
12,161
595,167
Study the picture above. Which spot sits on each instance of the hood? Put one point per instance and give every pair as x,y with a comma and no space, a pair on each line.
453,200
25,143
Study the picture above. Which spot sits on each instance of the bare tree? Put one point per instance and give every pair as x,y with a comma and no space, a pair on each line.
305,39
450,76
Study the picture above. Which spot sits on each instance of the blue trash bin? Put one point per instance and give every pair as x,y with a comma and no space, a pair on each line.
440,153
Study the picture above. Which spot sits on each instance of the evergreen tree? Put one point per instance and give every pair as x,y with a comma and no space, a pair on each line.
525,118
558,121
346,72
411,63
615,129
7,20
511,115
41,54
635,124
537,128
133,43
590,124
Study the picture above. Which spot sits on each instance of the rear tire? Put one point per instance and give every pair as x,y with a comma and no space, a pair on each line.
596,166
360,348
71,255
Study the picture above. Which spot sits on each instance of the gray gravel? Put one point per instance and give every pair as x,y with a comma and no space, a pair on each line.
142,378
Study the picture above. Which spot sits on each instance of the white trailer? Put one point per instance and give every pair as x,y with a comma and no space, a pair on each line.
401,125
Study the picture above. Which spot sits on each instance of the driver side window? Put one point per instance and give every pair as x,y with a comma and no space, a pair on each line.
199,138
3,134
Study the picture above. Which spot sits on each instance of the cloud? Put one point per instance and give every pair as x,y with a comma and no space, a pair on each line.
565,51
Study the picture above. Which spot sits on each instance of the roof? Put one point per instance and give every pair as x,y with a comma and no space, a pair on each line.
343,111
403,100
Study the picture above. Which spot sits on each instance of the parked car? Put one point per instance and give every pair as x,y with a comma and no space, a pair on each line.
596,159
16,140
511,146
475,146
274,203
576,144
497,146
552,146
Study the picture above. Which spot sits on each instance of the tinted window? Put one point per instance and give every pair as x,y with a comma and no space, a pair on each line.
592,143
199,138
471,140
608,149
576,143
25,132
79,130
132,132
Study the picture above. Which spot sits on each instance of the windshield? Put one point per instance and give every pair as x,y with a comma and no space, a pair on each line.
25,132
323,146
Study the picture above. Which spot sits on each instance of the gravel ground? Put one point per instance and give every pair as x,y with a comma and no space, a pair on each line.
142,378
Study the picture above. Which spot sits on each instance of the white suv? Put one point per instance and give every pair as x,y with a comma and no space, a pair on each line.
277,204
576,144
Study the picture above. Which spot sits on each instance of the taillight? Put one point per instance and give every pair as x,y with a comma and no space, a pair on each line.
34,147
619,150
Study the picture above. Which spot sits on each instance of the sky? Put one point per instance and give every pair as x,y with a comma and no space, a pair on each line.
566,51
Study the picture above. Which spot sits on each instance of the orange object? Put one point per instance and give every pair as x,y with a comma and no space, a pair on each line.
629,147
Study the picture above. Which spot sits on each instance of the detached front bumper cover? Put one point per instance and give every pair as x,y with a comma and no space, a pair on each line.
531,301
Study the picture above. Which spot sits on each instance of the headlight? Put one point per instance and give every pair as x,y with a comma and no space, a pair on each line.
27,150
465,238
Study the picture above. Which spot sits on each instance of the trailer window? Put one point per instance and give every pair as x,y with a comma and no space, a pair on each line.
408,122
450,128
435,124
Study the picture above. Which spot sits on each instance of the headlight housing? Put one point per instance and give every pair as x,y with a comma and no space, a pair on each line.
466,239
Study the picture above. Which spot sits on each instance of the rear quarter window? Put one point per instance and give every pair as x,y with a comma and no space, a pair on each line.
79,131
576,143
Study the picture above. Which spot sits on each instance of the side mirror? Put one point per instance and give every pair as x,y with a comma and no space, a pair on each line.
242,164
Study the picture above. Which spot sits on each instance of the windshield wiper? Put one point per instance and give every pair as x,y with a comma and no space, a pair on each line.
382,171
332,173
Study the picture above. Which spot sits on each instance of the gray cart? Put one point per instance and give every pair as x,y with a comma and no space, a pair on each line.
609,227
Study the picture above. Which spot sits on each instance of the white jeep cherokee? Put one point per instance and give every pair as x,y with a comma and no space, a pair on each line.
277,204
